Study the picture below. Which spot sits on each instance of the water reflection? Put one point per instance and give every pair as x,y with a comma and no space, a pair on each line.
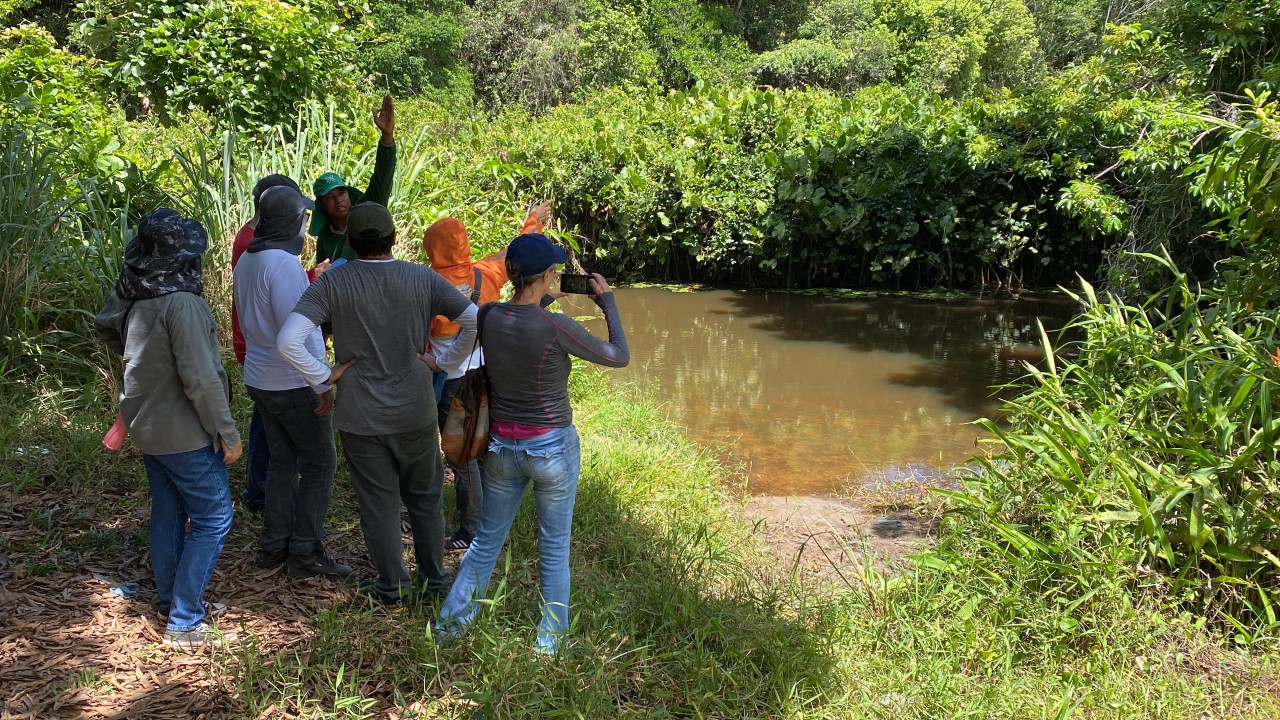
809,393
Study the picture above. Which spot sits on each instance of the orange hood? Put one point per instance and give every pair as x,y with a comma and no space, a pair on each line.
449,250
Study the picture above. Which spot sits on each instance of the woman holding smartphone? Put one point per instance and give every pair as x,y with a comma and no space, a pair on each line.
527,351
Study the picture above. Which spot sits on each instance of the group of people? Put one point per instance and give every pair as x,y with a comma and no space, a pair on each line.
402,336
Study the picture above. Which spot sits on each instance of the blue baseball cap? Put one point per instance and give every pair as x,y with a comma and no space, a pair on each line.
533,253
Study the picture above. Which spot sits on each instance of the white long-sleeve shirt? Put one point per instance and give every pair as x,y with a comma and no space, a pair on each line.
267,286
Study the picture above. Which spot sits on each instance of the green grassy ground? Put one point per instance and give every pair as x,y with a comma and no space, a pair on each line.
677,610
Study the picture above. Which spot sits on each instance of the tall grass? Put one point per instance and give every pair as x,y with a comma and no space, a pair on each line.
1148,461
62,241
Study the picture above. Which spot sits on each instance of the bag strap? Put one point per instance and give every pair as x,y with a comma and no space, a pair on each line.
484,310
475,286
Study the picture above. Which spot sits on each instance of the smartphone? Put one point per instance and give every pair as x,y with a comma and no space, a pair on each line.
577,284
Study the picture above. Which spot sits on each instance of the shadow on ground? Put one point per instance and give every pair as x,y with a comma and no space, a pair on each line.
660,627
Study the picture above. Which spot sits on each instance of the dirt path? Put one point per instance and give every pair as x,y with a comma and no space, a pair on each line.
819,538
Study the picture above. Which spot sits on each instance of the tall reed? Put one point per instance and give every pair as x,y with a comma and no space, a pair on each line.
1149,459
61,244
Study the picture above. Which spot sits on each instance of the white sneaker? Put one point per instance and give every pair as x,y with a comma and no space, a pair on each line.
197,638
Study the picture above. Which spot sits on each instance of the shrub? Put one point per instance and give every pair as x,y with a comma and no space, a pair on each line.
43,83
938,47
252,61
60,94
1150,457
614,49
802,63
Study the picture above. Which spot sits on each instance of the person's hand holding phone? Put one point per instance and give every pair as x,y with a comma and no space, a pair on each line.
599,286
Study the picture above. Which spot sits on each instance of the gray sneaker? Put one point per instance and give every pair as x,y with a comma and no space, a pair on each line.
317,563
196,639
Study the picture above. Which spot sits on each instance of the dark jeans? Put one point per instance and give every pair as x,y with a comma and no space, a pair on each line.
388,469
188,488
303,462
469,477
257,459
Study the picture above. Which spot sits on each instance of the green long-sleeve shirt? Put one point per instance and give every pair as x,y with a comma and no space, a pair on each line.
331,244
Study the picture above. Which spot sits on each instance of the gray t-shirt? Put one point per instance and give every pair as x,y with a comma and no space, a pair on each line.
381,315
527,352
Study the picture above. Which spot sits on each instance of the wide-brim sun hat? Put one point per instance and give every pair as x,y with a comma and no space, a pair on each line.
165,241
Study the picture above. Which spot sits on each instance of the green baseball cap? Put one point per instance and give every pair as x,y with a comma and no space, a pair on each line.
370,220
327,183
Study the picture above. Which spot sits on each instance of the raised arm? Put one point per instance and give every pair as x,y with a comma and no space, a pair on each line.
576,340
384,163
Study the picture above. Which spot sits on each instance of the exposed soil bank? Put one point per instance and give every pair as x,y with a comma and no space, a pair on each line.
820,538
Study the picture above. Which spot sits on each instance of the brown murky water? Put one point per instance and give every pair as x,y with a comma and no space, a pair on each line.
810,394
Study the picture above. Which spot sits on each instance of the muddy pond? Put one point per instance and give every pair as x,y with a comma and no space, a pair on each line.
812,395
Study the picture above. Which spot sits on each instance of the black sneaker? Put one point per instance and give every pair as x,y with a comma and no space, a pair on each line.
390,605
317,563
272,558
460,541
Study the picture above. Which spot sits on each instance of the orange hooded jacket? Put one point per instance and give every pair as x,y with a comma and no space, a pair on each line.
449,251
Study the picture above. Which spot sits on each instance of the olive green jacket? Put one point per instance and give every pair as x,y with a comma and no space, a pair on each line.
176,395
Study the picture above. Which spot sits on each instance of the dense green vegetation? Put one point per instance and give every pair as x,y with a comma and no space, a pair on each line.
1128,526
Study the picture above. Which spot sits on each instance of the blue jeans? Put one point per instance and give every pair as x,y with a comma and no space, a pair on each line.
189,486
303,463
553,462
257,461
469,478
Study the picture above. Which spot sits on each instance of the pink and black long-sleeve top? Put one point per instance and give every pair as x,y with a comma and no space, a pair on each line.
527,352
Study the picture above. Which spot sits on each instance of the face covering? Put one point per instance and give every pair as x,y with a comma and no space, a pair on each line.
281,222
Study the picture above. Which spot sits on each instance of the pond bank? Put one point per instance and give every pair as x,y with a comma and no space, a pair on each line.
821,539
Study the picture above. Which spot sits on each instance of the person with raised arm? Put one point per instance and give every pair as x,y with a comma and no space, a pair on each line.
334,198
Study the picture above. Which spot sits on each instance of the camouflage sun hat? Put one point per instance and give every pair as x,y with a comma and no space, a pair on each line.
166,240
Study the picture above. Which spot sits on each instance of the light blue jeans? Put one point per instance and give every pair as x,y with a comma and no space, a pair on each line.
187,489
553,462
